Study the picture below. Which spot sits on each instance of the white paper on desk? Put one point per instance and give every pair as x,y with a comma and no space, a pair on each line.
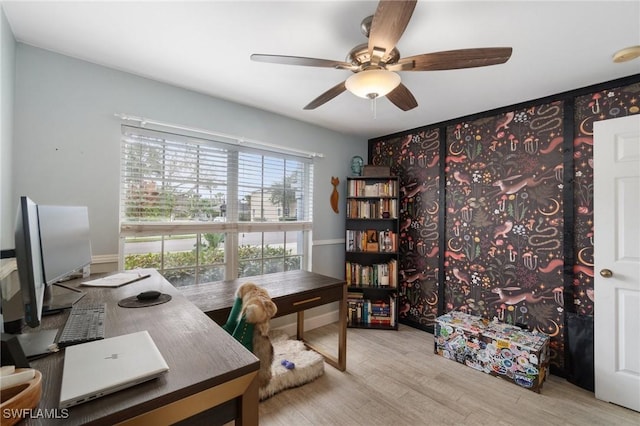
116,280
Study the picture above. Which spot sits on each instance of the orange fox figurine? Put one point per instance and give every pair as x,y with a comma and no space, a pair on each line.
334,195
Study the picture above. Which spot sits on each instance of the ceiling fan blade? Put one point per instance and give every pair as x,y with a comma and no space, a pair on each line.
299,60
327,96
402,98
453,59
389,22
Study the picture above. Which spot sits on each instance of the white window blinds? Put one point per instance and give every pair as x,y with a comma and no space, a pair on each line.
167,177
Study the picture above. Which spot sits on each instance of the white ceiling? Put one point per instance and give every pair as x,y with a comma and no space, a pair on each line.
205,46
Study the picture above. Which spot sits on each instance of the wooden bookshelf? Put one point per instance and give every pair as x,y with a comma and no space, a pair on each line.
371,252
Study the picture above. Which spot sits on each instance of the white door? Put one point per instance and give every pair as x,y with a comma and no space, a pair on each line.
617,260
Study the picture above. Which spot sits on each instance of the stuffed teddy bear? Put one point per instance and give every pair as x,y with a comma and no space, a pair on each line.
248,322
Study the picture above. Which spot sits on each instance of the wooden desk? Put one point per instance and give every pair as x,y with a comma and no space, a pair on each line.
207,367
292,292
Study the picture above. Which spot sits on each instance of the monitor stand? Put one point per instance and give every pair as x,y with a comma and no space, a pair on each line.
56,301
38,343
43,342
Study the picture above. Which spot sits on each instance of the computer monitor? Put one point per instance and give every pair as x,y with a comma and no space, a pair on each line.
29,261
66,249
51,242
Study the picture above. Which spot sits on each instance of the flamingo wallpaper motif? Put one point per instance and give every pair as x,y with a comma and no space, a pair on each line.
501,227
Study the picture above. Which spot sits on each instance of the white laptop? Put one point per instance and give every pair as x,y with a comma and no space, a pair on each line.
101,367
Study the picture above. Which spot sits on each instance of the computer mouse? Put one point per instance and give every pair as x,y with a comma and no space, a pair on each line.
149,295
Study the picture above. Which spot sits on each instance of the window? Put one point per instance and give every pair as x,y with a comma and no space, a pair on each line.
205,210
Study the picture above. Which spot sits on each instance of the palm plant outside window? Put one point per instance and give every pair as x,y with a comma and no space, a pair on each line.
202,210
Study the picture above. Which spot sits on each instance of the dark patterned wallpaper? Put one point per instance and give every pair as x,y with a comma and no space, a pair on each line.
597,106
415,159
504,209
501,226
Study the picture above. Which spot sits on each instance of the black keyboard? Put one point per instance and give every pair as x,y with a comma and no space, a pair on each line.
85,324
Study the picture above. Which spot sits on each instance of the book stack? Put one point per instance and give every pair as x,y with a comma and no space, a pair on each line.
364,312
381,313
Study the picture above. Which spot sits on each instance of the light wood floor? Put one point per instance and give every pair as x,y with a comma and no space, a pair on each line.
394,378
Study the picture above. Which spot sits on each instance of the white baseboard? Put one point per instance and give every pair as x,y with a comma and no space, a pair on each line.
7,266
104,258
104,263
328,242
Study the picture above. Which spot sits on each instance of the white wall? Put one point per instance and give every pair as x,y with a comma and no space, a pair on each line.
7,81
66,141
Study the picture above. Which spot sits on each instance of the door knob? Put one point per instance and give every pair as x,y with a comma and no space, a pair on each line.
606,273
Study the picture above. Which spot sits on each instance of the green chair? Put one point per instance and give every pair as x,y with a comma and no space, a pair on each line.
238,326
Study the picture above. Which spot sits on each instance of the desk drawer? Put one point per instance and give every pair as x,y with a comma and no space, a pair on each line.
311,299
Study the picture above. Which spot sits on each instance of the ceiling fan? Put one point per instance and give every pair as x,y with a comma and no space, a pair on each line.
375,63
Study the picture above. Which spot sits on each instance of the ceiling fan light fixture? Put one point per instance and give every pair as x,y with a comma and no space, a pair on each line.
370,84
626,54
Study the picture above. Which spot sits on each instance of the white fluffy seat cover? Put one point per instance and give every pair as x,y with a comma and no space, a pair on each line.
309,365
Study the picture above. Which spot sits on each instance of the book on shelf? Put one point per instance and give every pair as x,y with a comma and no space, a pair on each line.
372,209
366,312
355,311
376,275
371,190
371,241
375,320
388,241
380,308
366,188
